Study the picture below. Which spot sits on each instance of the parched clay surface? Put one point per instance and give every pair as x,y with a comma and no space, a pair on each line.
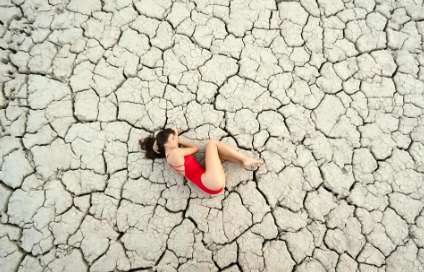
328,93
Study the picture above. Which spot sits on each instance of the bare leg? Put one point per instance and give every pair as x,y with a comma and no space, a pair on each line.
228,153
226,158
214,176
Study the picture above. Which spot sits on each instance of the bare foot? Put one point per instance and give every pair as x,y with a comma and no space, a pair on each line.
248,162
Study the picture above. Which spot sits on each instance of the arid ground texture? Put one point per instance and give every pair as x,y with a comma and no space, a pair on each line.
329,94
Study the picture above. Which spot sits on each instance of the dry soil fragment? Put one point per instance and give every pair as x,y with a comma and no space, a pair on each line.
277,257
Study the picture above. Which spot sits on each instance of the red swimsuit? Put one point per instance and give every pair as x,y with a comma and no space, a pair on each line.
194,173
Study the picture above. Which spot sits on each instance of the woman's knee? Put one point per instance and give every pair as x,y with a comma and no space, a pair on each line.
212,142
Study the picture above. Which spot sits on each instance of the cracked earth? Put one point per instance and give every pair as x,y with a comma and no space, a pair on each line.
328,93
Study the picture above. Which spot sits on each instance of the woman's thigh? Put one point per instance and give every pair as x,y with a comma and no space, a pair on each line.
214,176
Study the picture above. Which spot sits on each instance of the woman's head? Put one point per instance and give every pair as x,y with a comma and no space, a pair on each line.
166,136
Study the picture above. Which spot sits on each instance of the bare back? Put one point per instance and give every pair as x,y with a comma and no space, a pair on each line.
176,159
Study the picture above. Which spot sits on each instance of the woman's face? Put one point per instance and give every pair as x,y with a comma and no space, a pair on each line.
172,141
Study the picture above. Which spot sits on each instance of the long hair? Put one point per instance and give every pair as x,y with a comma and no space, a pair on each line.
146,144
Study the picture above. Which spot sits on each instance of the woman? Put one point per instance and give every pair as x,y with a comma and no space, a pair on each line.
211,181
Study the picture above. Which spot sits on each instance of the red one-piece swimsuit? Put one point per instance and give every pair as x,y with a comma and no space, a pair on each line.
193,172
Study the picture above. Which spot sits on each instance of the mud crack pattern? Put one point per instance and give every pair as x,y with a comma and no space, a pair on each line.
328,93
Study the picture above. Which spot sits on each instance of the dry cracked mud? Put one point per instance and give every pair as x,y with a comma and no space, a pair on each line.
328,93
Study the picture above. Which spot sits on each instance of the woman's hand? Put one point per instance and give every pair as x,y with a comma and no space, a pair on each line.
176,132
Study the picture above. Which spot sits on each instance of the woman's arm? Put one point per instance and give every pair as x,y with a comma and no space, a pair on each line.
183,143
176,131
188,148
176,135
186,144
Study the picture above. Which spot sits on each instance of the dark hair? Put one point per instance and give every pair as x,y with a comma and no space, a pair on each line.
146,144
